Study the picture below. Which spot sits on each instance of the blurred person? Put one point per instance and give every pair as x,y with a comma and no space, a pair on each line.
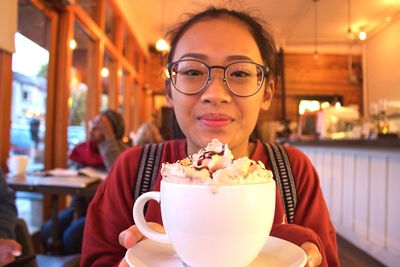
34,125
148,133
104,145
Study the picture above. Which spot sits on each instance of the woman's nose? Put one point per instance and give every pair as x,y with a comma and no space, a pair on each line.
216,90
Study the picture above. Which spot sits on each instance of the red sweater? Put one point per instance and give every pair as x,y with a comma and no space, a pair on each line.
111,209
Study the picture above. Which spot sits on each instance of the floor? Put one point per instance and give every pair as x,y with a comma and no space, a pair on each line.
351,256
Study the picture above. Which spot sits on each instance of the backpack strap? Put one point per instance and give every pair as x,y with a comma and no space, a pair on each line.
284,178
148,169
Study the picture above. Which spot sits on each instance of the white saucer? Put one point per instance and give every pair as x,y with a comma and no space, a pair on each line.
275,253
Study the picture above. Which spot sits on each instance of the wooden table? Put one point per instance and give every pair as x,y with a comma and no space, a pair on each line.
55,186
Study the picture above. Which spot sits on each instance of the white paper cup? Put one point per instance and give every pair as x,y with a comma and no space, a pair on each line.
18,164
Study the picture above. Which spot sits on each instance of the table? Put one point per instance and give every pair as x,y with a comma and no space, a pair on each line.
55,186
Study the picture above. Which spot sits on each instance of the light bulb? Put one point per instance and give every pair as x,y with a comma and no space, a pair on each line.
162,45
104,72
362,35
73,44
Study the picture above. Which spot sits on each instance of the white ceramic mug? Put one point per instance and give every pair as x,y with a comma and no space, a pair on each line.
226,228
18,164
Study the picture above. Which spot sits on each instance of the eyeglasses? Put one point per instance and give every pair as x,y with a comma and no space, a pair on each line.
191,76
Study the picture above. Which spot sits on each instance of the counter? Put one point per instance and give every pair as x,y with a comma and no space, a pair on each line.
360,180
380,143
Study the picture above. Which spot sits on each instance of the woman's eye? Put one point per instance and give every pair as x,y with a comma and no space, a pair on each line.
240,74
192,72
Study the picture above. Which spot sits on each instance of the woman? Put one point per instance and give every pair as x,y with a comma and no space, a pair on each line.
214,48
100,151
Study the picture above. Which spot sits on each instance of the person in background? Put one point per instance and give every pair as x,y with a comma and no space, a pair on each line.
148,133
9,248
223,70
104,145
34,125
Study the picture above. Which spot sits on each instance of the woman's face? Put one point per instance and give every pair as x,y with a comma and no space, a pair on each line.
216,112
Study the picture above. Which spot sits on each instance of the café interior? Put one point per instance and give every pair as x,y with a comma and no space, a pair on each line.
337,98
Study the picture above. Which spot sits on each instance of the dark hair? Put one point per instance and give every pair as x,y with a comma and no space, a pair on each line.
258,29
117,122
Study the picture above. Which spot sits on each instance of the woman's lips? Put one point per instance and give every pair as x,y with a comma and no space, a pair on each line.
215,120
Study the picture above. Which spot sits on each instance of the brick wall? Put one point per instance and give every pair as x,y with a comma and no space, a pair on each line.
322,76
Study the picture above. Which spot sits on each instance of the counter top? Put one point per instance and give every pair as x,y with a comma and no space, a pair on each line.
380,143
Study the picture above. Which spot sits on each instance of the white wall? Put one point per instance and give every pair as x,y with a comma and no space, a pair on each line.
8,22
382,65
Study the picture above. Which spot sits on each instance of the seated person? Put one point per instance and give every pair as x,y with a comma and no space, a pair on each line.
100,151
148,133
9,248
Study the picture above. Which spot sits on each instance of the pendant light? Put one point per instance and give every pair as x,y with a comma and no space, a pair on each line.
162,45
350,33
315,29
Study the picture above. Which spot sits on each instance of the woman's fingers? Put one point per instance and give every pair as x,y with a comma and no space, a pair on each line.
132,235
314,257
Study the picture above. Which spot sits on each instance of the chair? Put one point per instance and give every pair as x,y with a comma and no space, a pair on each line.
29,258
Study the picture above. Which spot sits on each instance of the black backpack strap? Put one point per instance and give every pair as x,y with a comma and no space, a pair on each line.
284,178
148,169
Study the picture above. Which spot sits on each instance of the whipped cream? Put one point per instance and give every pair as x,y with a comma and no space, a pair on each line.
215,165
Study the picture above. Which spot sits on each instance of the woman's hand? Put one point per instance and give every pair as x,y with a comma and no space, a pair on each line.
9,249
314,257
105,127
132,235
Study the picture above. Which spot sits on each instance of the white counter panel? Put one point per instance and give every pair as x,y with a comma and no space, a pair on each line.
362,191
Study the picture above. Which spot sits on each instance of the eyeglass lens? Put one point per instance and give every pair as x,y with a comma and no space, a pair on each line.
242,78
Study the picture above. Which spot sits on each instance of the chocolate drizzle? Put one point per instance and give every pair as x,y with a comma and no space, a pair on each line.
208,155
198,165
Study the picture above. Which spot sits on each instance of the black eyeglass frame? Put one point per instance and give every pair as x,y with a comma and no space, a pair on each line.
265,74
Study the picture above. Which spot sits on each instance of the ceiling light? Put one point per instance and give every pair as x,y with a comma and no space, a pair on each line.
104,72
362,35
73,44
162,45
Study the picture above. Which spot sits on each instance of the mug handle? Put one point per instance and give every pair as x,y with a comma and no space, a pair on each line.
140,221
